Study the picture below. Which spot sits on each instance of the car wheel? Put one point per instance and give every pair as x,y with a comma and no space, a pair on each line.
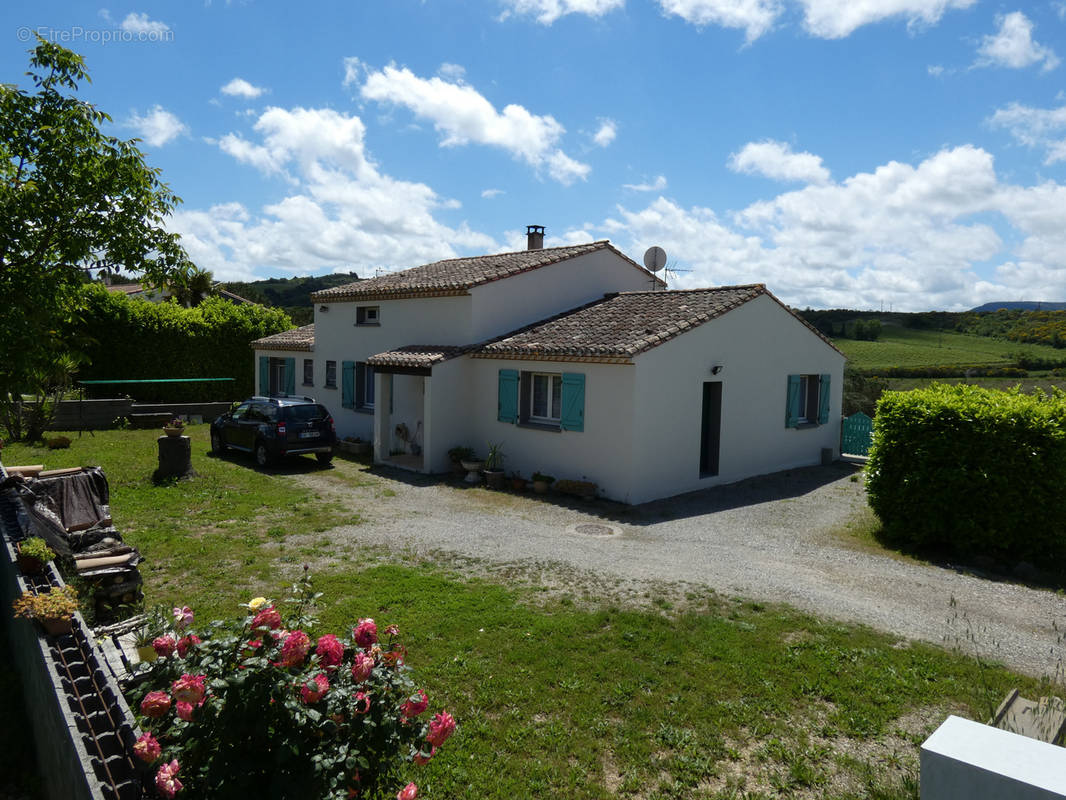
262,455
324,458
217,445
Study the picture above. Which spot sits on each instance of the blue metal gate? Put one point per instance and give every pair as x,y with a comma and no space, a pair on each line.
856,432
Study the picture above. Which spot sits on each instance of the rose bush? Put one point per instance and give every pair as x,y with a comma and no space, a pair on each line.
253,707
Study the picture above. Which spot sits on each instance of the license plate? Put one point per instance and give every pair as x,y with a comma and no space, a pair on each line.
308,434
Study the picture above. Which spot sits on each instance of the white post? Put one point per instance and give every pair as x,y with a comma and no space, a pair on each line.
965,759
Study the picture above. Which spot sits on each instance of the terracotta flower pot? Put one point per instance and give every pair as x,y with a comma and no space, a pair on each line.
495,478
173,431
30,565
57,627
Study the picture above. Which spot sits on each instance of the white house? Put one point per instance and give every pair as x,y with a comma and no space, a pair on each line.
577,360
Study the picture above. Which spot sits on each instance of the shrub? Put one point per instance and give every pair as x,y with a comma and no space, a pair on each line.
254,706
973,471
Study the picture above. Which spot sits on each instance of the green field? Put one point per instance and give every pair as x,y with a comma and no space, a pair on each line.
906,347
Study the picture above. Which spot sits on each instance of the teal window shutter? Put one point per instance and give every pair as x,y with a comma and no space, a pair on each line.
348,384
573,402
264,375
507,396
290,376
823,399
792,403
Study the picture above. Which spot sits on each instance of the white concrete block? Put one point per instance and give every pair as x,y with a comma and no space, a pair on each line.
965,759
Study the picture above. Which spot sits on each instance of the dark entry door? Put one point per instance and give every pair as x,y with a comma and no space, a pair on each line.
711,428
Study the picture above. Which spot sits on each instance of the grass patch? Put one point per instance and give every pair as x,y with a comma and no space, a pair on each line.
691,695
906,347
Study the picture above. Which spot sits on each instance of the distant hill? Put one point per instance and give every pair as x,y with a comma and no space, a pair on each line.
291,294
1022,305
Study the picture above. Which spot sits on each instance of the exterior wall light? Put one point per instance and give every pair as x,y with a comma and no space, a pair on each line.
323,309
716,369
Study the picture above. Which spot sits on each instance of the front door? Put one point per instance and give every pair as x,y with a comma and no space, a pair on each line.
711,428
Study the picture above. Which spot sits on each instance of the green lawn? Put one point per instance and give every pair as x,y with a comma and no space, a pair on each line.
685,696
904,347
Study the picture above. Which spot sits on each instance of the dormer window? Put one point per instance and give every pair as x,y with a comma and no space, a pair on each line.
367,315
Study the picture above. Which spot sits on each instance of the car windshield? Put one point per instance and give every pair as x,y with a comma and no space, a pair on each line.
308,413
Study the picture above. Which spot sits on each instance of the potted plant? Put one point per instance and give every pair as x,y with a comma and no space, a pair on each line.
33,554
176,427
458,455
494,474
473,466
54,610
518,483
541,482
152,627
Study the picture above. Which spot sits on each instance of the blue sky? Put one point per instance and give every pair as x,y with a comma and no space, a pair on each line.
909,154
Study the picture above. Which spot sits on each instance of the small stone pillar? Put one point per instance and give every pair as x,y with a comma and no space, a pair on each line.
175,458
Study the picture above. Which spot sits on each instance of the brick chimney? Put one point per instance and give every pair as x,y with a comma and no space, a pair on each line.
534,237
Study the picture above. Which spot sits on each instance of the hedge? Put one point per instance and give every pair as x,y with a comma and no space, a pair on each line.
123,339
972,471
947,371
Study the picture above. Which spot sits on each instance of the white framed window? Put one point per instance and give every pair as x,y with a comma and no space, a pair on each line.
545,396
367,315
807,401
364,386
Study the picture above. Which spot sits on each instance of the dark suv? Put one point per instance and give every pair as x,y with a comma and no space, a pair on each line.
272,427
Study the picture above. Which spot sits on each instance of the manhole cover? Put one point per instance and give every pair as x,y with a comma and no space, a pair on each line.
594,529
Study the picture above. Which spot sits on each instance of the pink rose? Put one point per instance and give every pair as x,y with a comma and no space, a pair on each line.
395,656
267,618
393,630
362,666
412,708
330,651
183,617
147,749
421,759
408,792
184,711
189,688
295,649
163,646
165,781
187,642
155,704
315,689
366,632
362,703
440,728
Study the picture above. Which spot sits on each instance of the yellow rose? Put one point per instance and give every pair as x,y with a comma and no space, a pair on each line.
256,603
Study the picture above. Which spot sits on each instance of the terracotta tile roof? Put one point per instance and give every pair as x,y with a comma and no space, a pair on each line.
624,325
458,275
125,288
302,338
416,355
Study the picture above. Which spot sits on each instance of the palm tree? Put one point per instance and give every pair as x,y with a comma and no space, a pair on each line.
193,287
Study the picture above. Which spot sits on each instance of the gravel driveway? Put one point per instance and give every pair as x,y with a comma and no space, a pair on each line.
767,538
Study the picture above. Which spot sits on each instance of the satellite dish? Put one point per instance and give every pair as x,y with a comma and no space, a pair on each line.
655,259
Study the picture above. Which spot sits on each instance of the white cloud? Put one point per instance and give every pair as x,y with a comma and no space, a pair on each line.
452,72
239,87
776,160
140,24
936,70
354,71
548,11
754,17
1013,46
488,194
911,236
607,132
340,212
1035,127
835,19
655,186
462,115
157,127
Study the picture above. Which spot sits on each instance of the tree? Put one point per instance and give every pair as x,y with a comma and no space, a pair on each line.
193,287
72,200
